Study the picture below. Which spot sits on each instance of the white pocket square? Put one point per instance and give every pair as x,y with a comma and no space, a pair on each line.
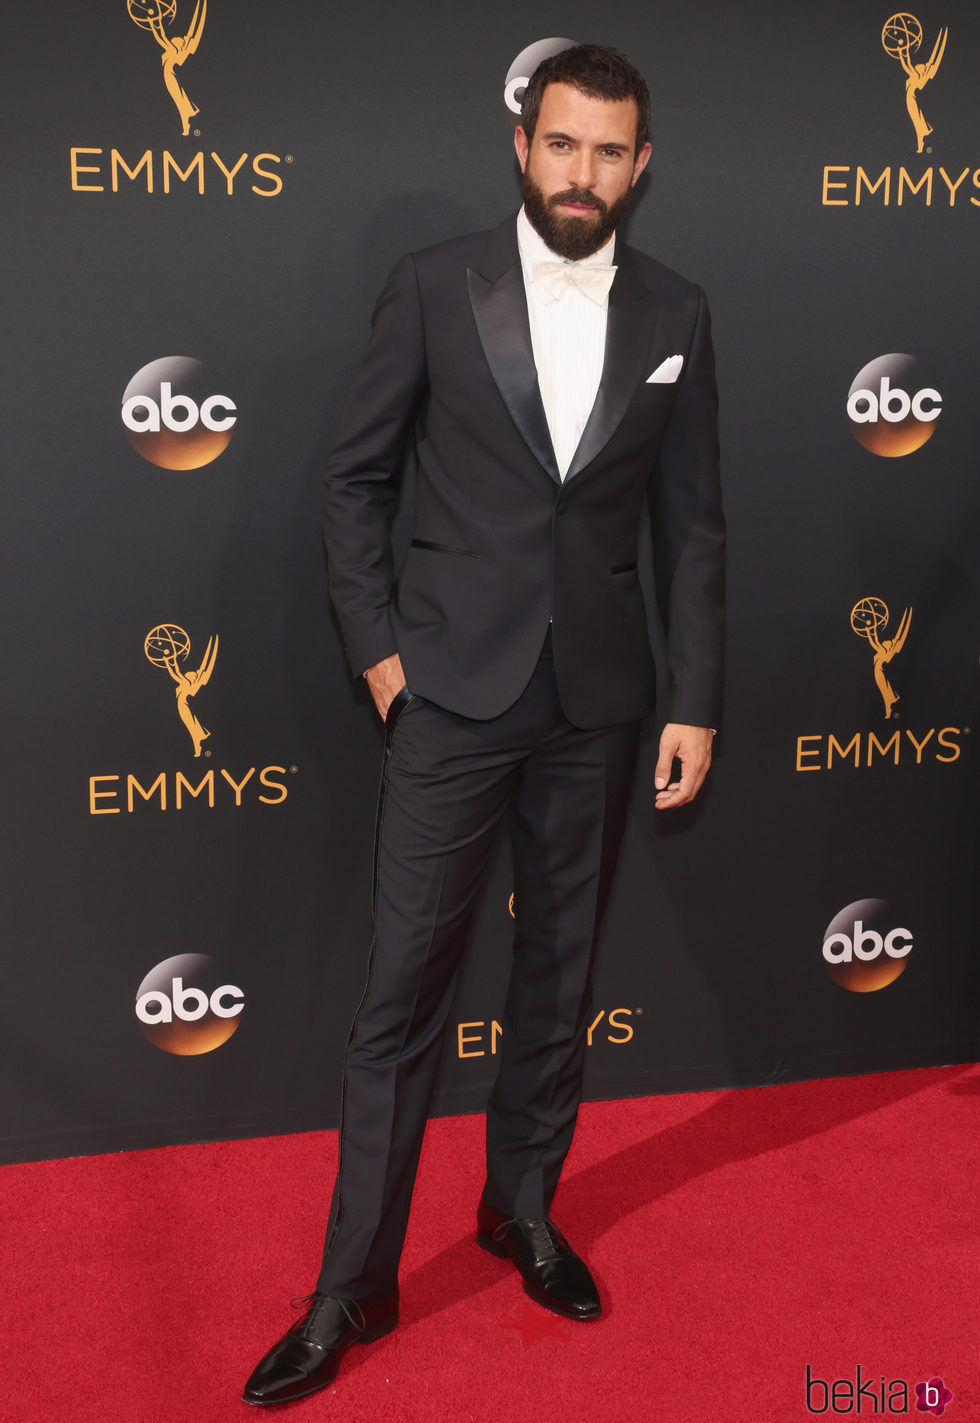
667,372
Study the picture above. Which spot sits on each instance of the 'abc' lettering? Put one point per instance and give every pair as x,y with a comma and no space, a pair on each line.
189,1004
178,413
867,944
893,404
511,90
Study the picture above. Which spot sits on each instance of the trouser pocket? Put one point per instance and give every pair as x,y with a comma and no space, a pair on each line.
396,706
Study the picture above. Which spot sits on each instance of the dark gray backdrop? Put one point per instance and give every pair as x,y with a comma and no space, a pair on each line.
386,127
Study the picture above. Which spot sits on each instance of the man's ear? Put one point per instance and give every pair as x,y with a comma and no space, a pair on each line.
521,146
641,160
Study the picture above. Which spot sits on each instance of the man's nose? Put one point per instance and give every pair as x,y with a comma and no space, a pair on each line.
583,170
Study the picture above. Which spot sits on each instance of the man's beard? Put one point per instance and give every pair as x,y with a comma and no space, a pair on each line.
572,237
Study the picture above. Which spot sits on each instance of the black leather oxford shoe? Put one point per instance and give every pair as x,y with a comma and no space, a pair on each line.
308,1356
553,1274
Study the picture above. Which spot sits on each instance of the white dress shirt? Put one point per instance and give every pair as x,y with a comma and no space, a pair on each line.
568,337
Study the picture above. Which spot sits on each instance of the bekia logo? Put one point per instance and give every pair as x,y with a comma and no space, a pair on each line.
863,948
185,1008
173,417
523,67
933,1397
891,410
884,1396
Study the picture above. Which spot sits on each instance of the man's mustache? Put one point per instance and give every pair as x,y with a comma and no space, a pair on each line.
581,197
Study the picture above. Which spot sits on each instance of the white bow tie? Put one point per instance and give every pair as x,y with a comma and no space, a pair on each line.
553,278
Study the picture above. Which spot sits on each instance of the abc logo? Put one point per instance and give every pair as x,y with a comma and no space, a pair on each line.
172,418
890,412
183,1007
523,67
863,949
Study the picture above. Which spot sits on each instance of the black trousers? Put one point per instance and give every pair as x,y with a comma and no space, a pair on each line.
447,782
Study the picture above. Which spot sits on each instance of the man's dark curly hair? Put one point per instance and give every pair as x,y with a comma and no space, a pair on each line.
595,70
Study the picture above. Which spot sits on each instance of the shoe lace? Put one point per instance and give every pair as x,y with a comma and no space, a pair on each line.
314,1302
544,1236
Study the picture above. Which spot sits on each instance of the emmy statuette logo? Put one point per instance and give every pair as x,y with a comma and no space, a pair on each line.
206,787
158,17
168,646
876,748
127,166
901,38
889,413
862,948
951,182
869,618
184,1008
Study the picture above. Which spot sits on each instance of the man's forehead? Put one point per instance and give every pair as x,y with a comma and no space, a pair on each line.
566,108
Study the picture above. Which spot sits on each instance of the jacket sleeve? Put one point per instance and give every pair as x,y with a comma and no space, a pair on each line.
364,469
689,537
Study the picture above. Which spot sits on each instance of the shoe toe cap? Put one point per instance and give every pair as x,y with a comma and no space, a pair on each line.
289,1369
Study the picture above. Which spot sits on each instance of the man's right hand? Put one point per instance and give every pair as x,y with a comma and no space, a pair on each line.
385,680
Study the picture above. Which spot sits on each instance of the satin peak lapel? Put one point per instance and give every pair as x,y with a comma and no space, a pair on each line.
500,311
629,331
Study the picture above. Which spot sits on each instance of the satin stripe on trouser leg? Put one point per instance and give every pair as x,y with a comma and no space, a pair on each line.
447,784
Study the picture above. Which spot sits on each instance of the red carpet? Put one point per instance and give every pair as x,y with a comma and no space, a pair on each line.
737,1236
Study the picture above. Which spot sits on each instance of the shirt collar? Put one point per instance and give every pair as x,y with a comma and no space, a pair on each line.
533,248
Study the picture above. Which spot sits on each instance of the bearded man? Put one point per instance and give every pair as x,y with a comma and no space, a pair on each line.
557,384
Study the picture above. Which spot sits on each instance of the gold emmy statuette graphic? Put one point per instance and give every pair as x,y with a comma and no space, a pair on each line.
901,38
869,617
168,646
155,15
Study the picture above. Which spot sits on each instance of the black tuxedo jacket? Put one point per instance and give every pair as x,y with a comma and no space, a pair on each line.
500,545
